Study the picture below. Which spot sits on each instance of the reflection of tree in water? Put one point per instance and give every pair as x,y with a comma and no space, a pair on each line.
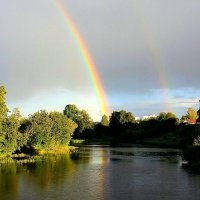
83,156
9,183
53,168
51,171
40,174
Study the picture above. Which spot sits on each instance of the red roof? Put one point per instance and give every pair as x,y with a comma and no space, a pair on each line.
191,121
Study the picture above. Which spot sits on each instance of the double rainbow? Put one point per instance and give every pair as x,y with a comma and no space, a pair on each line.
89,63
156,55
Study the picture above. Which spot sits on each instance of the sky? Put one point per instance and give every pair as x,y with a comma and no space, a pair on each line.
146,53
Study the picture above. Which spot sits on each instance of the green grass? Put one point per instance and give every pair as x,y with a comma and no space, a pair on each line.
167,140
77,142
26,158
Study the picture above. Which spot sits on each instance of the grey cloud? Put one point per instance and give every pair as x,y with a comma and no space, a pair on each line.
123,50
38,53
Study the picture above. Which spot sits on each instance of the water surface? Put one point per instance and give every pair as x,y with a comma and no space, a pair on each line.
96,172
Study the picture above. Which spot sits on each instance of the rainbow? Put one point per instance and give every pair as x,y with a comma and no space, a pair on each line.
89,63
156,55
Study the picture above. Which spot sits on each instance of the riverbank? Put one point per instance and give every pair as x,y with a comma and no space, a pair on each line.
191,154
35,154
169,140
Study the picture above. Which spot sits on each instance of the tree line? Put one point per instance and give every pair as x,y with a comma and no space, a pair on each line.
122,127
45,130
41,130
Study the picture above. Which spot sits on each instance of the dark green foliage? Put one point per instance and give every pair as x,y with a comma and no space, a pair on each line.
188,133
165,116
192,155
105,121
100,131
42,130
120,121
62,128
3,112
122,125
82,119
13,140
50,130
10,137
3,107
72,112
121,118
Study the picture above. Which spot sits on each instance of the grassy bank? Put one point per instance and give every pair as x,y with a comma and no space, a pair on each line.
92,141
36,156
167,140
57,150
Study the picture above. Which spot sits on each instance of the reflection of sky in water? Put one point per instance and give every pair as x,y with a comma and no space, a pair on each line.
102,173
99,157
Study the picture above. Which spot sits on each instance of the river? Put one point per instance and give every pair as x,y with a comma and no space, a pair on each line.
96,172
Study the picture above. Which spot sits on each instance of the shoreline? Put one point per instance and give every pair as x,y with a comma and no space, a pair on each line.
23,158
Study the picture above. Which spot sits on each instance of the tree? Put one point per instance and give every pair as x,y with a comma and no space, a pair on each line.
121,118
62,128
81,118
41,130
183,118
165,116
50,130
171,115
13,140
191,114
85,122
3,107
104,121
72,112
120,122
3,111
10,137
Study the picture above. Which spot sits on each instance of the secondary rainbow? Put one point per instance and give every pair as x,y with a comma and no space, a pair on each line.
89,63
156,55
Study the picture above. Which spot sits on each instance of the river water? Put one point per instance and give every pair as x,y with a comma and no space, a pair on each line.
96,172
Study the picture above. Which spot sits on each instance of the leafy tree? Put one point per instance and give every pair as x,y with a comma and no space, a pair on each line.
10,137
13,140
50,130
171,115
120,122
104,121
3,111
81,118
183,118
72,112
164,116
3,107
41,130
62,128
191,114
121,118
25,126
